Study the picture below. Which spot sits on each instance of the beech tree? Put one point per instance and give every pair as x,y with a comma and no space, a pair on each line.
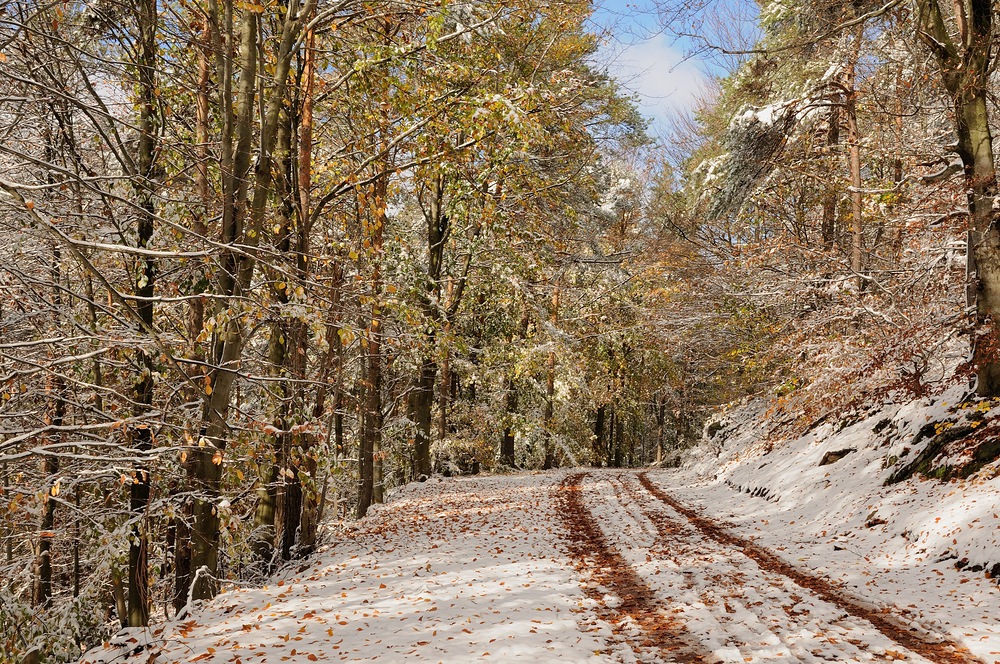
964,53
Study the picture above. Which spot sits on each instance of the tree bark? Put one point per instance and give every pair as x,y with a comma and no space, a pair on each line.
293,341
55,413
238,266
965,70
142,434
854,141
371,429
421,403
661,420
444,389
976,149
42,588
550,388
507,437
438,229
310,498
854,147
599,435
828,225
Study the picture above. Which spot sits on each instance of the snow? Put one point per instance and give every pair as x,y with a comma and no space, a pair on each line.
766,115
453,571
895,546
496,568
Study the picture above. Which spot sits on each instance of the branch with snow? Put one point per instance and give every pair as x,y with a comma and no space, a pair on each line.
755,138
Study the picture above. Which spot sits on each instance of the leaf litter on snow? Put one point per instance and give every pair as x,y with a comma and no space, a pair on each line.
478,569
461,570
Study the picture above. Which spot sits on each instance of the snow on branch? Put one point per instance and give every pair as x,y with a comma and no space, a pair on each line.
754,139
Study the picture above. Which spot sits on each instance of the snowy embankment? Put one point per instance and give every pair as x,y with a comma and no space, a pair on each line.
920,548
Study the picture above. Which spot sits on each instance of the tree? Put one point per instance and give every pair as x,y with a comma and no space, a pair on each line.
242,224
964,65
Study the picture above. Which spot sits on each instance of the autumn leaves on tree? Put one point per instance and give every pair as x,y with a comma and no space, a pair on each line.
266,265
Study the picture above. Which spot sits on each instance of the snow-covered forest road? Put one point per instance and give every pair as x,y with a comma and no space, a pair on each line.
573,566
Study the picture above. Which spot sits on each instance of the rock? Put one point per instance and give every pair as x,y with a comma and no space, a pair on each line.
834,457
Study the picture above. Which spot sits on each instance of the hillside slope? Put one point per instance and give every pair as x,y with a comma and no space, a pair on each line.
862,504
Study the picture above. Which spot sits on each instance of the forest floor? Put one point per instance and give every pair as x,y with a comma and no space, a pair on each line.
575,566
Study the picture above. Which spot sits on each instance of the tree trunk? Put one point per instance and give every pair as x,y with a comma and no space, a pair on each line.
614,432
599,435
619,449
310,497
965,71
371,426
444,391
196,308
55,413
294,344
438,228
273,463
550,388
182,555
42,589
206,466
661,421
975,146
180,526
118,594
854,143
828,225
507,439
421,404
238,266
289,498
142,435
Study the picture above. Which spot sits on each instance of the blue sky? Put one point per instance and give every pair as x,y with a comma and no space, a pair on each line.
652,61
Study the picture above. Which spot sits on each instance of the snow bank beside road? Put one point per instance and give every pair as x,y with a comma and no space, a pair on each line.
821,501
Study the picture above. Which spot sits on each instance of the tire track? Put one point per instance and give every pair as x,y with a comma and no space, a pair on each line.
728,595
941,651
606,568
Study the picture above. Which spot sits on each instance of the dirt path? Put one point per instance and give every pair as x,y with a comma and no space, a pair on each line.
597,567
621,597
932,648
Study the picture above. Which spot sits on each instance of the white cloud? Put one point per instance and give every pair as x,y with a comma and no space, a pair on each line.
657,72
